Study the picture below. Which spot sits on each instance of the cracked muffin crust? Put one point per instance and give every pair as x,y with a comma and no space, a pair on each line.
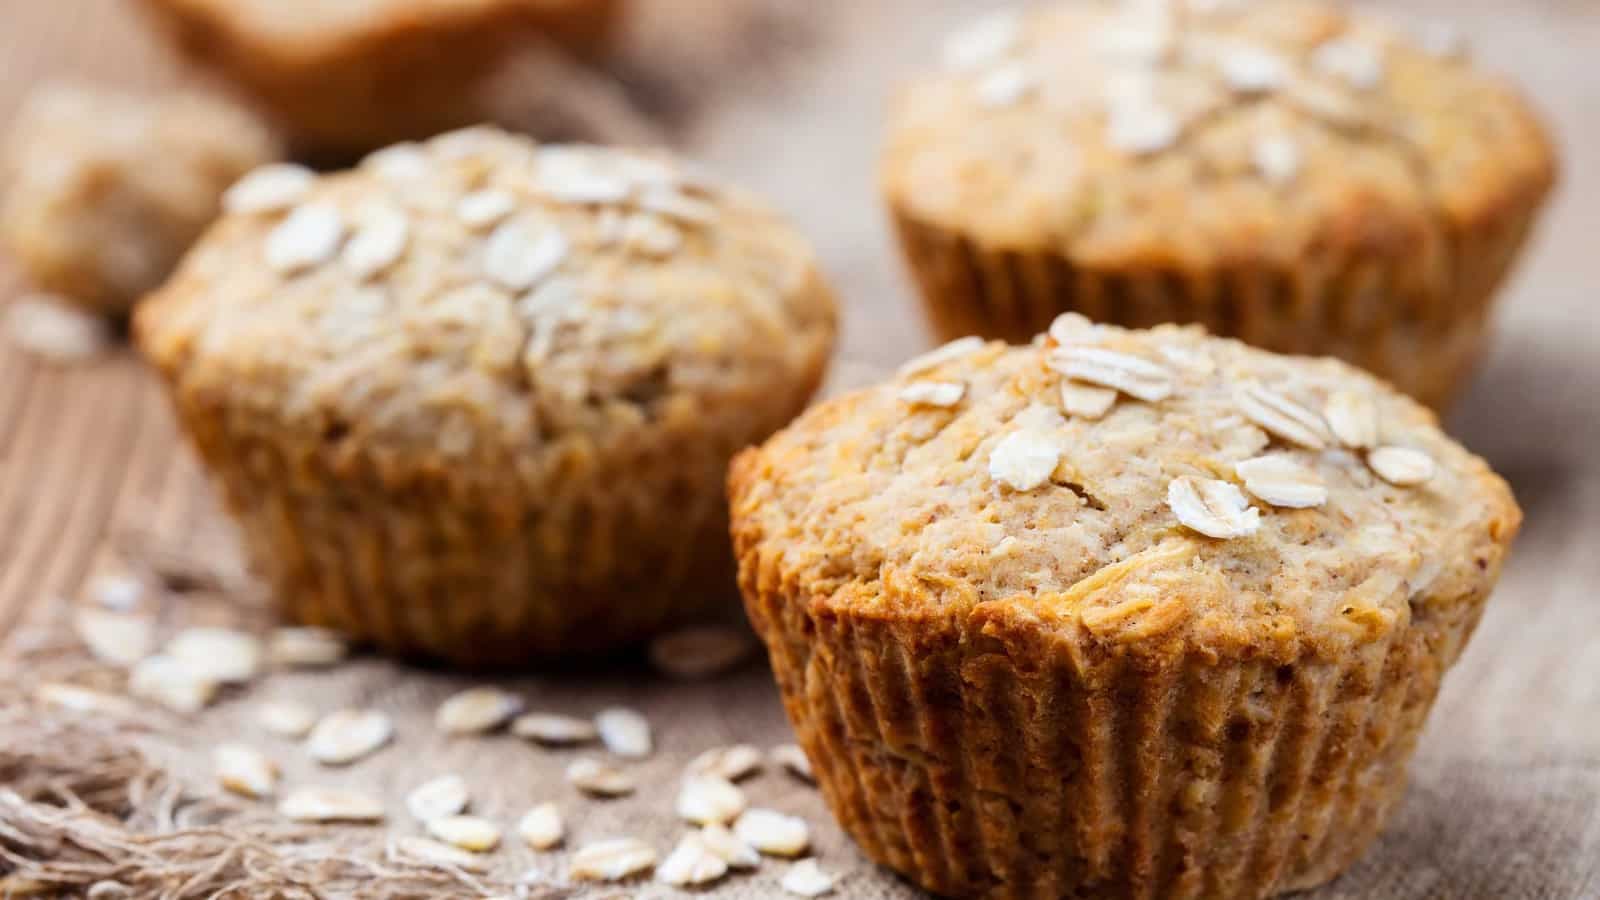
476,398
1122,613
102,191
344,78
1306,180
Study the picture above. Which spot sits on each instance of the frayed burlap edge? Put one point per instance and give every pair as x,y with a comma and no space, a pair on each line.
87,813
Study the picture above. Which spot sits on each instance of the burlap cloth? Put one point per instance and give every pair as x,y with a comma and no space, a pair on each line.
1505,786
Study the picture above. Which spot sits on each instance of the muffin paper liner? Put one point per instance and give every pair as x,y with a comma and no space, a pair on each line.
1419,320
983,754
432,558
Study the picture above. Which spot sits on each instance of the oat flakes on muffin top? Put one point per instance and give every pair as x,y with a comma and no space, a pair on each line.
473,293
1139,484
1205,132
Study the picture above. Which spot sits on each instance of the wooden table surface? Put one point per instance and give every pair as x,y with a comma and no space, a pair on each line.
85,452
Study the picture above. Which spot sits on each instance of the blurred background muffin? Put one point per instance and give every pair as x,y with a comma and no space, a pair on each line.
1116,614
476,398
101,191
1307,180
343,78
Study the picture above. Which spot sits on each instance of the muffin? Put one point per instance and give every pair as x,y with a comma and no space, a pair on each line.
1117,614
344,78
102,191
1306,181
475,399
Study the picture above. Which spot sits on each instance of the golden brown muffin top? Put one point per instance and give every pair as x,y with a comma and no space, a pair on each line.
480,289
1207,132
1129,486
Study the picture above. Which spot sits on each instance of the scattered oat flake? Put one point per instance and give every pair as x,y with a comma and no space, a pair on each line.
601,779
1276,157
624,732
691,863
1024,459
1358,64
1352,418
794,759
1187,359
437,854
982,42
1138,41
245,770
173,683
401,163
54,332
1006,85
517,259
933,393
309,237
74,698
1086,401
807,879
1282,417
463,143
378,243
1333,106
477,710
651,235
224,654
1281,481
317,804
705,799
117,638
612,860
1142,128
571,175
1401,466
732,762
286,718
481,209
1213,508
549,728
467,832
1252,70
938,356
541,827
721,840
306,647
270,188
701,651
673,204
438,798
347,735
773,833
1138,378
115,591
1071,328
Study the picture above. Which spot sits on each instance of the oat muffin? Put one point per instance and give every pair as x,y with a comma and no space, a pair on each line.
476,398
101,191
343,78
1280,172
1117,614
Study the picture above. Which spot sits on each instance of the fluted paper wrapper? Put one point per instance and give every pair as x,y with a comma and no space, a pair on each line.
986,759
1417,320
431,562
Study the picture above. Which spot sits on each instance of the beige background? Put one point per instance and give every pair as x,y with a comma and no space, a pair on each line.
1506,793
